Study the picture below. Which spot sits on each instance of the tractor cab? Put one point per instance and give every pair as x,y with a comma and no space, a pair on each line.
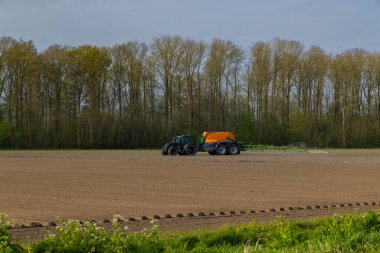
182,139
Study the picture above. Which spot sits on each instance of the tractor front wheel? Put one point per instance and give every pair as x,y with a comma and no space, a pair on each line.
172,150
164,149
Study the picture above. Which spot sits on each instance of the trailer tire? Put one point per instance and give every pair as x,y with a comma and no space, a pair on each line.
221,149
233,149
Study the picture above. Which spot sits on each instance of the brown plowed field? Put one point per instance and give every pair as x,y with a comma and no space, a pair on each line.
48,185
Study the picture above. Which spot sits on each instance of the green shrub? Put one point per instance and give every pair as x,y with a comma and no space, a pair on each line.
71,236
6,246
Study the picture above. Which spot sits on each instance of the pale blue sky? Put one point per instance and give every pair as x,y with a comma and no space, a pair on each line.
335,25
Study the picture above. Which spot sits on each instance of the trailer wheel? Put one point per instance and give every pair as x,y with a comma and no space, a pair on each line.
233,149
172,150
221,149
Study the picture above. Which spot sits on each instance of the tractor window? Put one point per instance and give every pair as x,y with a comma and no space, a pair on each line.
184,140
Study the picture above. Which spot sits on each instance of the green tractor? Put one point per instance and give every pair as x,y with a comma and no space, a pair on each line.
181,145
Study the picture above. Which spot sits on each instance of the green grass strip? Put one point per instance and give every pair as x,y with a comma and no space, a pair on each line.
340,233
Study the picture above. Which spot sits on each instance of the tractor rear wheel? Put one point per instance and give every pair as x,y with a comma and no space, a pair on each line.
233,149
190,149
172,150
221,149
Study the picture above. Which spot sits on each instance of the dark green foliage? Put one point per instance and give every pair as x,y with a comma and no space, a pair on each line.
5,134
245,128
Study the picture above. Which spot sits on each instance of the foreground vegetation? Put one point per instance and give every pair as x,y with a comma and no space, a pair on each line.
348,233
138,95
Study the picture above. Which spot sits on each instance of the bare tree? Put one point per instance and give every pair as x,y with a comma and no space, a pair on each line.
167,55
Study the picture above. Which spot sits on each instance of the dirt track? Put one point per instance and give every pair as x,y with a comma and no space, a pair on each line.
48,185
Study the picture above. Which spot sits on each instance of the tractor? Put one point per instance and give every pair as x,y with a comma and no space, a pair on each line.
215,143
181,145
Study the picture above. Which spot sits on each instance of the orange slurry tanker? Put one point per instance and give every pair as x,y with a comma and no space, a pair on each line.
219,143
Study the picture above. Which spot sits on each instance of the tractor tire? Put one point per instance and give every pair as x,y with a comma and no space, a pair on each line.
212,152
221,149
233,149
190,149
164,149
172,150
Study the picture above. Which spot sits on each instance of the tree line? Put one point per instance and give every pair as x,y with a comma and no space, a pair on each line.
138,95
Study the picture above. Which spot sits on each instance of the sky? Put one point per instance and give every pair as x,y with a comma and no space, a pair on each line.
334,25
